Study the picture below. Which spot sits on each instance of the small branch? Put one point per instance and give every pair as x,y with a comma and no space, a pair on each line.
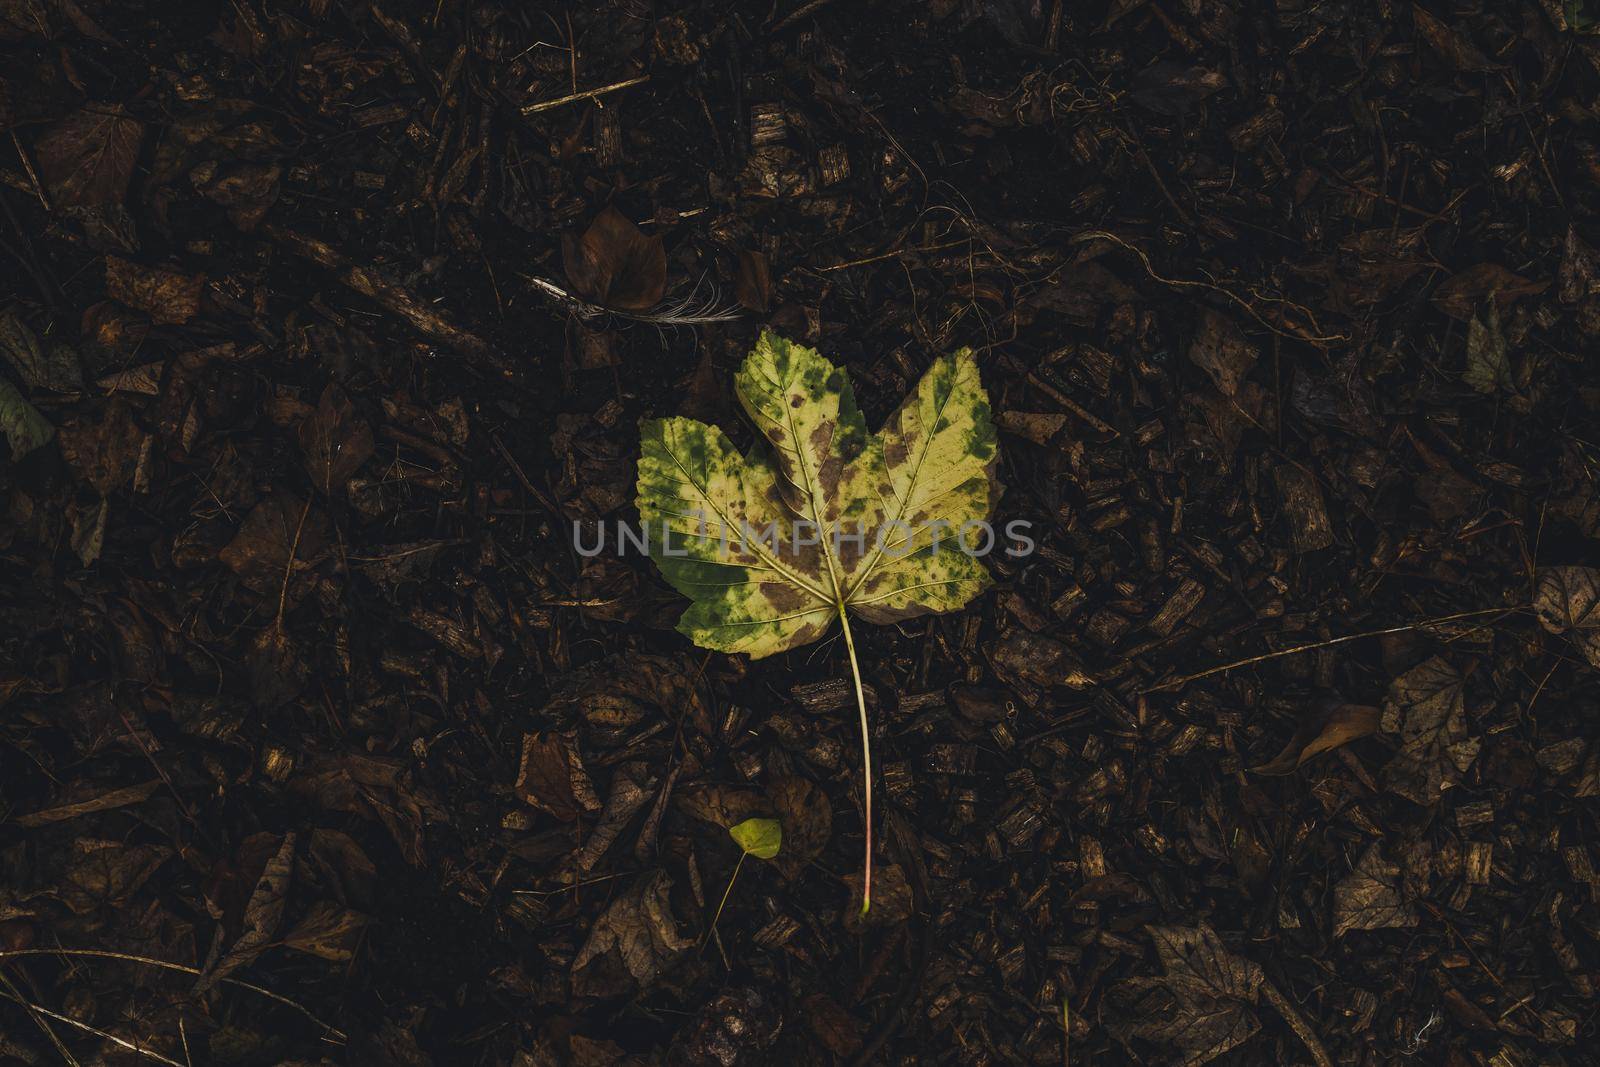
86,1028
587,94
396,298
1297,1023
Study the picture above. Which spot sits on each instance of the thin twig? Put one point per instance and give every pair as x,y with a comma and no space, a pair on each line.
86,1028
810,7
1186,679
587,94
106,954
39,1020
1181,283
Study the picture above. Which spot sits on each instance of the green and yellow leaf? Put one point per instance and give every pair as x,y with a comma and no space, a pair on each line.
916,482
888,515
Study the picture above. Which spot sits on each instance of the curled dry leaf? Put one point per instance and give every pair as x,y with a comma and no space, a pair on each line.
328,931
615,265
1567,601
1331,724
262,915
632,942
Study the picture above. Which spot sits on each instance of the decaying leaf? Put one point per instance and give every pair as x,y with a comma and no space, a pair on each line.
281,538
1202,1005
55,368
1328,726
1369,897
328,931
262,915
1488,364
102,874
820,519
1426,706
336,441
552,779
1567,601
633,942
615,265
165,295
761,838
807,819
1221,349
87,158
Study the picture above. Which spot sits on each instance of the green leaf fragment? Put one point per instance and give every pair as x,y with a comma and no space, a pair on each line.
761,838
1488,361
22,424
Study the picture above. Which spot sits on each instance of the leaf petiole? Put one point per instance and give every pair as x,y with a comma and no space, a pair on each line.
866,758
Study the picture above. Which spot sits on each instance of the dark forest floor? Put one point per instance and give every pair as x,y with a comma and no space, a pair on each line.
1288,314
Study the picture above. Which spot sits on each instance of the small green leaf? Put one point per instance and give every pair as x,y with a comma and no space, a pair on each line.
22,424
761,838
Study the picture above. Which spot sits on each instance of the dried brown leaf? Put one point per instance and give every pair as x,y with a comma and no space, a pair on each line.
807,819
1331,724
335,441
262,915
543,779
1202,1005
1426,706
260,552
615,265
328,931
1463,293
167,296
631,943
753,285
1369,897
1221,349
87,158
1450,45
1567,601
